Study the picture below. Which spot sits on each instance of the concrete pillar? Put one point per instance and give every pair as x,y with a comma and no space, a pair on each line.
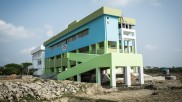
136,70
77,51
128,46
49,63
79,78
105,47
128,76
49,71
68,64
96,48
141,77
112,76
117,46
61,63
122,41
124,77
90,49
98,76
45,71
55,69
104,72
135,44
61,69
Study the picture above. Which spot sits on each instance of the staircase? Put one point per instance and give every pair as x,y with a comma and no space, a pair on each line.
88,62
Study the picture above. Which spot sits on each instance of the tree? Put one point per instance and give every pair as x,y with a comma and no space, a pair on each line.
25,67
12,69
1,70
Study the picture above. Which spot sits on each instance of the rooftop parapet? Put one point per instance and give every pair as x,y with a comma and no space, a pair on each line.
127,20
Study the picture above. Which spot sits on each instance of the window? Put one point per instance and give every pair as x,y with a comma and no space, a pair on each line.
73,37
130,26
39,62
84,50
38,54
123,25
63,42
70,39
101,44
126,26
119,25
112,44
82,33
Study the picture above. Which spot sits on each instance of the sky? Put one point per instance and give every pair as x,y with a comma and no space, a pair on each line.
26,24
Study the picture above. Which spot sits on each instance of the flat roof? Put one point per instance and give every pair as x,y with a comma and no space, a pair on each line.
76,24
39,48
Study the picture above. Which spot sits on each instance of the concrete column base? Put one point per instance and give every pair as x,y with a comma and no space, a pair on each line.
128,76
112,76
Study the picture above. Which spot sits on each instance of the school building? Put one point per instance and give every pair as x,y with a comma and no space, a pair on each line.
101,44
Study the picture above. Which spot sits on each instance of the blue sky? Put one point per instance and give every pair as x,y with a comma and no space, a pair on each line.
26,24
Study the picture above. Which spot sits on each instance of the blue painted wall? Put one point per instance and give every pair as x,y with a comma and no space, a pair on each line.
112,30
96,34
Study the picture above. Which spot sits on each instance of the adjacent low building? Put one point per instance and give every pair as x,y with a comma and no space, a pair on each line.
103,43
38,63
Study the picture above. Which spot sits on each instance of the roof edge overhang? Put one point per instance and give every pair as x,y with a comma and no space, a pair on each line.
92,16
37,49
127,20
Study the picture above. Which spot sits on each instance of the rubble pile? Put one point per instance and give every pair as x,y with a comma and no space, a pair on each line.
44,89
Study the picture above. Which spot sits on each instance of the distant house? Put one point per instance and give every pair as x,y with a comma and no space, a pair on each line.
38,60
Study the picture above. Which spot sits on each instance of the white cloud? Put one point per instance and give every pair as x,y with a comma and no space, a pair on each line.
27,51
10,32
177,50
113,3
122,3
155,3
151,47
49,31
47,26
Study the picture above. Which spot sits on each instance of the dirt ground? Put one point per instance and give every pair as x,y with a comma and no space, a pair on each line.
142,96
152,91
